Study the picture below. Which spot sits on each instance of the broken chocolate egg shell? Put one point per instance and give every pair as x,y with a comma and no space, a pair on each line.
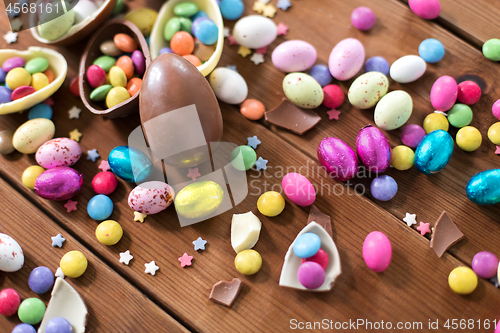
179,112
92,51
78,31
157,41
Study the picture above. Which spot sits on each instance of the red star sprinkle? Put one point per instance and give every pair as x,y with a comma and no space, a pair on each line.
70,205
424,228
185,260
104,166
262,50
282,29
498,150
232,41
333,114
49,101
193,173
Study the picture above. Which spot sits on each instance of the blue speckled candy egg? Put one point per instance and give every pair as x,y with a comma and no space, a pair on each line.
434,152
484,187
306,245
130,164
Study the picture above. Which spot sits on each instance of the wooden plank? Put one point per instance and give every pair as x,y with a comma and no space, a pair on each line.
113,304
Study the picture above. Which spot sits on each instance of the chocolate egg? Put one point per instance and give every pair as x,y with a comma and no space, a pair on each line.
60,183
130,164
179,111
484,187
434,152
373,148
338,159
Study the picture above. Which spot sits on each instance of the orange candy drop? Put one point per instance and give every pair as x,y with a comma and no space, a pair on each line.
252,109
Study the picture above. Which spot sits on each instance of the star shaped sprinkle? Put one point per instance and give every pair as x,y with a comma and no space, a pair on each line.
232,41
232,67
269,11
139,217
74,112
262,50
104,166
92,155
259,6
57,240
253,141
71,205
185,260
16,24
497,151
424,228
151,268
75,135
125,257
410,219
244,51
59,273
193,173
261,164
283,4
494,280
10,37
333,114
282,29
199,244
49,101
227,33
257,58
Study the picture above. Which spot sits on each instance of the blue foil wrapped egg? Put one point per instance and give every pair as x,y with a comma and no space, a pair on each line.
130,164
484,187
434,152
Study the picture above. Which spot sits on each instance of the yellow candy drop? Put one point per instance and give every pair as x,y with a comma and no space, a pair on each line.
18,77
39,81
116,96
248,262
73,264
462,280
435,121
30,175
402,157
117,77
494,133
143,18
271,203
109,232
469,138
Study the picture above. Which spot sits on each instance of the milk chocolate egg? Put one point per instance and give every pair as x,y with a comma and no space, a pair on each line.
179,111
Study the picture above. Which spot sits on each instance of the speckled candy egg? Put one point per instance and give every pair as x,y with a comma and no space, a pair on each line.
32,134
228,85
338,159
444,93
130,164
255,31
60,183
408,69
151,197
368,89
11,254
294,56
377,251
393,110
373,149
346,59
434,152
484,188
58,152
303,90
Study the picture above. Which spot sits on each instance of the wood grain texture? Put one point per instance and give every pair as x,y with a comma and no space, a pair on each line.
416,281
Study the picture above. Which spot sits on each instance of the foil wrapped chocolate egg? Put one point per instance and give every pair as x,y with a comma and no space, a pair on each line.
130,164
338,159
484,187
373,149
59,183
434,152
199,199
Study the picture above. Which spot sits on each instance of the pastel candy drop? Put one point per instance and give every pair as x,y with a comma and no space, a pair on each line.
12,63
306,245
377,251
311,275
426,9
444,93
485,265
298,189
37,65
321,257
96,76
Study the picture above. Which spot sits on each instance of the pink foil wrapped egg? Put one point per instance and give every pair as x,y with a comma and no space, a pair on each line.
338,158
60,183
298,189
444,93
151,197
373,149
58,152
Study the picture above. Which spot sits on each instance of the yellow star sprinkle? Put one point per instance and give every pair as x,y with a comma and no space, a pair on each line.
269,10
139,217
259,6
75,135
244,51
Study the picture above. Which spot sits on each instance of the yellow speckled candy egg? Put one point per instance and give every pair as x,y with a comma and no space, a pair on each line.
368,89
199,199
303,90
116,95
435,121
271,203
393,110
39,81
73,264
402,157
462,280
30,175
494,133
248,262
469,138
32,134
117,77
143,18
109,232
18,77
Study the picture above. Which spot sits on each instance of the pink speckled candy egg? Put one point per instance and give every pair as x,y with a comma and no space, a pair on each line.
426,9
151,197
377,251
338,159
58,152
444,93
373,149
496,109
346,59
311,275
298,189
362,18
294,56
411,135
60,183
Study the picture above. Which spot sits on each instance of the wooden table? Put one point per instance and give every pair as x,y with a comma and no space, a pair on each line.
413,289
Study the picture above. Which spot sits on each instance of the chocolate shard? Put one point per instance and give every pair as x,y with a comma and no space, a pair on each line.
224,292
322,219
292,118
445,234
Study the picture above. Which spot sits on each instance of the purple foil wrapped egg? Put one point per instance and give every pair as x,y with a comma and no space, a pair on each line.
59,183
373,149
338,158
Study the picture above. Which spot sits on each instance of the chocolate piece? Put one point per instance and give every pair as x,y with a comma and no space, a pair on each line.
291,117
445,234
322,219
224,292
92,51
